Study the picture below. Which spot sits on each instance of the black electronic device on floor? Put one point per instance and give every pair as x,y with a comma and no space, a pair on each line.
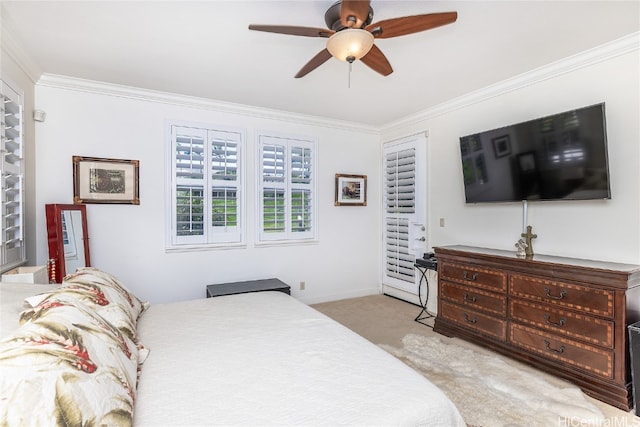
428,261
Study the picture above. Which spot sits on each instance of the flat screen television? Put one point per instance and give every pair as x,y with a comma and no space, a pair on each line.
558,157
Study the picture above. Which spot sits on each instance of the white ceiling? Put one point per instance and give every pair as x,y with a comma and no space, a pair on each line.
204,49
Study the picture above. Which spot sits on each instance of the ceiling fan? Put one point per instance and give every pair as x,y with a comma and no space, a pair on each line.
351,34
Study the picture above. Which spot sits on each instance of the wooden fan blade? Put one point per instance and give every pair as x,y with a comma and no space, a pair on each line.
354,13
376,60
322,57
293,30
410,24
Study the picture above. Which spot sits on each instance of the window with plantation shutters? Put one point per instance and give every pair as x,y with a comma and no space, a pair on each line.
12,249
402,210
286,189
206,186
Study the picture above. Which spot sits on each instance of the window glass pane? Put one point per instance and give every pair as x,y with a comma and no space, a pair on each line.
189,211
273,163
273,210
224,159
189,157
224,207
300,210
300,165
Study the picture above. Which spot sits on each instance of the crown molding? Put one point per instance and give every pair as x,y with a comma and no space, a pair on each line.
618,47
109,89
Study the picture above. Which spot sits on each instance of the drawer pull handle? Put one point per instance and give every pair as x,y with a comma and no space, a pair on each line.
469,299
468,320
559,351
559,324
465,276
548,291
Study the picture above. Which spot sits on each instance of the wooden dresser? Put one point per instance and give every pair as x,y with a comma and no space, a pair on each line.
565,316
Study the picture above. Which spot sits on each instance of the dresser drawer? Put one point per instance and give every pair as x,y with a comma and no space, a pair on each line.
581,356
474,298
572,325
588,300
474,320
476,276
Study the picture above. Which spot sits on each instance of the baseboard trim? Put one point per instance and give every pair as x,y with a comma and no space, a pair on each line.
400,294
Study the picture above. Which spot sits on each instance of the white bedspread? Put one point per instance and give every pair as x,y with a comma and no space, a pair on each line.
266,359
12,296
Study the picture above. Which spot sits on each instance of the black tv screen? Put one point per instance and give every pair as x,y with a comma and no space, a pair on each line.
558,157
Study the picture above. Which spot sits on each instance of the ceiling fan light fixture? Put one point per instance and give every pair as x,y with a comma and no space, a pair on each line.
350,44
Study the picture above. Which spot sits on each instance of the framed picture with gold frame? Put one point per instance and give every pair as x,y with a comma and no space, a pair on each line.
99,180
351,190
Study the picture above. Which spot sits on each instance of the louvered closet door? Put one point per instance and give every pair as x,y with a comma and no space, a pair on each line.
403,216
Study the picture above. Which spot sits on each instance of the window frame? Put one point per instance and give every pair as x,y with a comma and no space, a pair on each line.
212,238
288,236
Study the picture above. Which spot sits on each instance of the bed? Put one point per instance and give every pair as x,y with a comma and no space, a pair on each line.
256,359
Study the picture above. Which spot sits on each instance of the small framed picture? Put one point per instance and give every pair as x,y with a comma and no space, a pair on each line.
97,180
501,146
351,190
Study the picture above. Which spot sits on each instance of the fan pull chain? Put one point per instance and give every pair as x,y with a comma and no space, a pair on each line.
349,76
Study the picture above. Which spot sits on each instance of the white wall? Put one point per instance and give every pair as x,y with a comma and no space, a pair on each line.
98,120
605,230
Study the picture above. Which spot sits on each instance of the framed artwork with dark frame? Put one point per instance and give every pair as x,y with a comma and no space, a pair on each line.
351,190
501,146
98,180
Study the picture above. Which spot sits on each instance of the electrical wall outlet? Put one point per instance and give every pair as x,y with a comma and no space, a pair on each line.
441,222
302,286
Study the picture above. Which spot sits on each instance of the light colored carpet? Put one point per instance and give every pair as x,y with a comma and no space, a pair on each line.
386,320
475,382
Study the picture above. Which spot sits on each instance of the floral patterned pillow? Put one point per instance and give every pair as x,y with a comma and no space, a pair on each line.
91,276
104,293
67,365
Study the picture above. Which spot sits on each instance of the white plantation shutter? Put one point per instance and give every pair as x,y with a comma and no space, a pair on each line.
12,249
401,211
301,192
400,208
225,186
286,189
206,186
189,172
274,204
